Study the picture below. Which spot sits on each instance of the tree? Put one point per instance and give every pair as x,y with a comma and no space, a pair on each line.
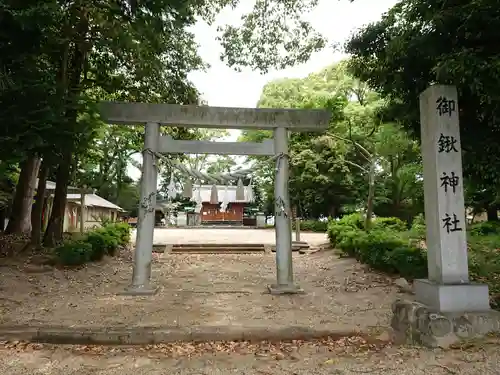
83,52
418,43
344,168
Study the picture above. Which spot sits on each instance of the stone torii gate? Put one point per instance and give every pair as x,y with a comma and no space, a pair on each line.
153,115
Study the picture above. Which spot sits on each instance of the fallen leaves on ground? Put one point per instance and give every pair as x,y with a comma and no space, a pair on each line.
274,350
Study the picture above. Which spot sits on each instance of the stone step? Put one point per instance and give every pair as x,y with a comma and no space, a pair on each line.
211,245
214,248
221,249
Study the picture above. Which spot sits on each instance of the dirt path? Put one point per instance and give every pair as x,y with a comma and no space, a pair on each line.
201,290
344,357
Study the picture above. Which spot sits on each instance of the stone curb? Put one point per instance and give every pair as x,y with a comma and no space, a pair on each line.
160,335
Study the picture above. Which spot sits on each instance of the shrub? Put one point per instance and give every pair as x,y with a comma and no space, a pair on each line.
120,231
73,253
312,225
409,261
103,243
350,241
485,228
337,229
392,223
384,247
418,228
378,244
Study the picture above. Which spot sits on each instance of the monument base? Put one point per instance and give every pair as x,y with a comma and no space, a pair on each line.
452,297
284,289
141,290
415,323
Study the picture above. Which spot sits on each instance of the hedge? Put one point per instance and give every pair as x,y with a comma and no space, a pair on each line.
387,248
382,247
312,225
94,245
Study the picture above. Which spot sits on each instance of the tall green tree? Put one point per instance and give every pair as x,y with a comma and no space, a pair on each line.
419,43
344,168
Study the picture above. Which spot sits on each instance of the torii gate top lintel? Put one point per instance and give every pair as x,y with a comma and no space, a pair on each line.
308,120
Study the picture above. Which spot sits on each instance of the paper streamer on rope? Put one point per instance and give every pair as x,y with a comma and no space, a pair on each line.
188,189
198,200
214,195
171,192
249,192
240,191
225,200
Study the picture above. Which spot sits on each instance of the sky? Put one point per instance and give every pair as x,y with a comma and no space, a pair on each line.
221,86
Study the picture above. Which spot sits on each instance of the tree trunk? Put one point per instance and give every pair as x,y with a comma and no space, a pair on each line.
3,217
371,195
492,213
54,233
71,72
20,218
36,213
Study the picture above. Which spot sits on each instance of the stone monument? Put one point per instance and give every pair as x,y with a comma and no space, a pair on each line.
448,306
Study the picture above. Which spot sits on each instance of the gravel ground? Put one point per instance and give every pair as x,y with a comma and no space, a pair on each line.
200,290
343,357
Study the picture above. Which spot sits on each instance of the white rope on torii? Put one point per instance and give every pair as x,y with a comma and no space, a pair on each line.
214,178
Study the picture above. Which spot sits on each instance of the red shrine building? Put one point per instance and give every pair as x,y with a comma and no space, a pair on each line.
212,214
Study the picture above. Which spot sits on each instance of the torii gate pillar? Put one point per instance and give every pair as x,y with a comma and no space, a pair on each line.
143,255
154,115
283,214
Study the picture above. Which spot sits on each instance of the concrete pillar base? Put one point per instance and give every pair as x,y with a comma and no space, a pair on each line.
452,297
141,290
284,289
415,323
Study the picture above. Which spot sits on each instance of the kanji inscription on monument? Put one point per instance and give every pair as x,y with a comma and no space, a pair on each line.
450,181
445,106
447,144
444,198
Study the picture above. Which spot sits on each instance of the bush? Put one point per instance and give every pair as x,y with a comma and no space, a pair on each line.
418,229
383,247
103,243
95,245
485,228
120,231
392,223
336,230
484,264
73,253
409,261
377,246
312,225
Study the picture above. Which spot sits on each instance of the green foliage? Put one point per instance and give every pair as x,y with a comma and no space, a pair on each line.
312,225
418,43
121,231
330,172
349,224
418,228
392,223
383,247
73,253
386,248
484,264
94,246
409,261
484,228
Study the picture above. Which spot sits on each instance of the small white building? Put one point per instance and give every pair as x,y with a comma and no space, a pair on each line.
96,210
